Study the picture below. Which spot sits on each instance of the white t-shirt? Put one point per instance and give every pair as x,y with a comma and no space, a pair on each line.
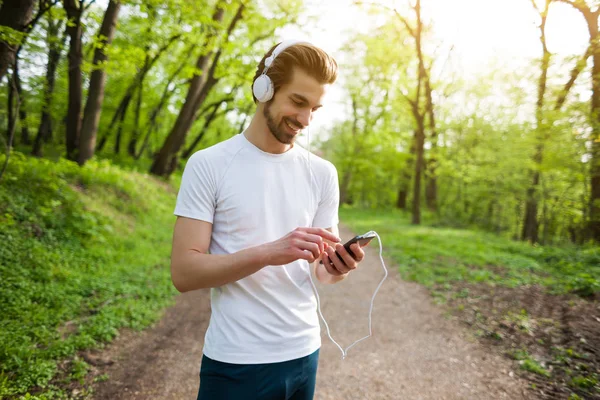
252,197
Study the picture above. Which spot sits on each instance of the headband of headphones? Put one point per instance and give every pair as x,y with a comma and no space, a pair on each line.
278,50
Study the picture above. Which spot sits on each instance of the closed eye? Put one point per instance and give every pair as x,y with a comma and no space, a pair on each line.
302,103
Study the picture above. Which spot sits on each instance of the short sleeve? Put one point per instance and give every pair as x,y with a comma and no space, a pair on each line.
197,194
327,212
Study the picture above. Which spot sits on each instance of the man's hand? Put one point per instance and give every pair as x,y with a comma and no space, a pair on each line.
338,267
302,243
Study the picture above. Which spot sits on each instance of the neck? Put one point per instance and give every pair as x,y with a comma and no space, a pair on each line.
258,134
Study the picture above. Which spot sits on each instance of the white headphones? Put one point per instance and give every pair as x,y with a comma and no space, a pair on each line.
263,88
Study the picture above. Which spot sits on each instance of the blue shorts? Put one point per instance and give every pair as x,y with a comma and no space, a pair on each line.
288,380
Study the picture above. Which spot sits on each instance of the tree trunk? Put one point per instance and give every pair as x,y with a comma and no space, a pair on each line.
93,106
74,13
420,119
595,113
431,187
405,176
209,119
591,19
121,119
121,109
176,137
138,81
25,138
530,222
21,114
44,133
10,111
14,14
136,128
345,197
11,128
418,114
152,122
402,201
419,163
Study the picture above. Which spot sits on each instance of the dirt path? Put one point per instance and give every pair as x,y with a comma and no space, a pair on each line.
415,352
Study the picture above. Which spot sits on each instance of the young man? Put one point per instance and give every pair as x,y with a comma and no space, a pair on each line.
254,213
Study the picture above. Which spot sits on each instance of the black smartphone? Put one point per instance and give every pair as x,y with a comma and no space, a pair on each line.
363,240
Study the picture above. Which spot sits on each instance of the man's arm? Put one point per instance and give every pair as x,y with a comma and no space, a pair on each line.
192,268
332,269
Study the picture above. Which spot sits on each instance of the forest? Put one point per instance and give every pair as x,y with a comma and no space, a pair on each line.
103,102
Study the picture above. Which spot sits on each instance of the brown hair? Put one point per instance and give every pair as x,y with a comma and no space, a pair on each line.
311,59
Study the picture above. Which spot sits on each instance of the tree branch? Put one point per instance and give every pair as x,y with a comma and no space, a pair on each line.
44,7
411,30
581,6
562,97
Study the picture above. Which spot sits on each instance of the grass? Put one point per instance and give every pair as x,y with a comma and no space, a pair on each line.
433,256
83,253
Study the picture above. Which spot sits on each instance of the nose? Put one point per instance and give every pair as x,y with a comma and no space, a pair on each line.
304,117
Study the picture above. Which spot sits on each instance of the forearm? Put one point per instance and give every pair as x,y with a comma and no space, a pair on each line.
195,270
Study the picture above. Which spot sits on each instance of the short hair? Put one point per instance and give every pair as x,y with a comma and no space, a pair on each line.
311,59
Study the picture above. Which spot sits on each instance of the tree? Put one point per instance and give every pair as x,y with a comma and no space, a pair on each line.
193,99
15,15
530,224
420,113
55,45
74,9
93,107
591,19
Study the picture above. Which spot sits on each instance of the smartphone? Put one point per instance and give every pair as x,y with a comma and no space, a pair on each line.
363,240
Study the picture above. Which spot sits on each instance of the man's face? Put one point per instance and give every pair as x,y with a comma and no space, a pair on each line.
293,106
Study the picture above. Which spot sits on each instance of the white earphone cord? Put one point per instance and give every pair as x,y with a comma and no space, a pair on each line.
345,351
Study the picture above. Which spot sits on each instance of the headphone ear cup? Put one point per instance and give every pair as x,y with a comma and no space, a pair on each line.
263,88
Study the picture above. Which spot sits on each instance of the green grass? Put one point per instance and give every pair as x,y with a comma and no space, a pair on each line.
432,255
83,252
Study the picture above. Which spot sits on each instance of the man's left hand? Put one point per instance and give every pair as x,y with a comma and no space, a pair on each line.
336,266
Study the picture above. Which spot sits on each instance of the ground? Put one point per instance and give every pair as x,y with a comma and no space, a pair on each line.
416,352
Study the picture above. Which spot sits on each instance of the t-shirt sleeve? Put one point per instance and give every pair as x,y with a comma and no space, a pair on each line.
197,194
327,212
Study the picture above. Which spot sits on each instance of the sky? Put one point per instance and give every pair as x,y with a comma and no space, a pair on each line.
482,33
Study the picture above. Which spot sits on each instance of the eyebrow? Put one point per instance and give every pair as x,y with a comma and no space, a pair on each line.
304,99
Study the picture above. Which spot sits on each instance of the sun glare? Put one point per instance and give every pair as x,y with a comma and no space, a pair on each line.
482,33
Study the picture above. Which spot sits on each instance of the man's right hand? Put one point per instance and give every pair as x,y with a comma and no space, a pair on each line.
302,243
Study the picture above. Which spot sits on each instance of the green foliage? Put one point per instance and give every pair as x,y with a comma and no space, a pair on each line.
583,382
528,363
533,366
85,251
431,255
482,154
11,36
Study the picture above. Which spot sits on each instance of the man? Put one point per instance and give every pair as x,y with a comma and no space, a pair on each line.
254,213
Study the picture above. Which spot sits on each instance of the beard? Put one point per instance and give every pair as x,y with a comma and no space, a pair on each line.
279,132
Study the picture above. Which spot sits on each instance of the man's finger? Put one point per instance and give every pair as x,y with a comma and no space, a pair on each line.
337,262
329,267
358,252
309,237
314,248
324,233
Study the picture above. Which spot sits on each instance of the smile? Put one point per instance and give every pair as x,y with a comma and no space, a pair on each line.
293,127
